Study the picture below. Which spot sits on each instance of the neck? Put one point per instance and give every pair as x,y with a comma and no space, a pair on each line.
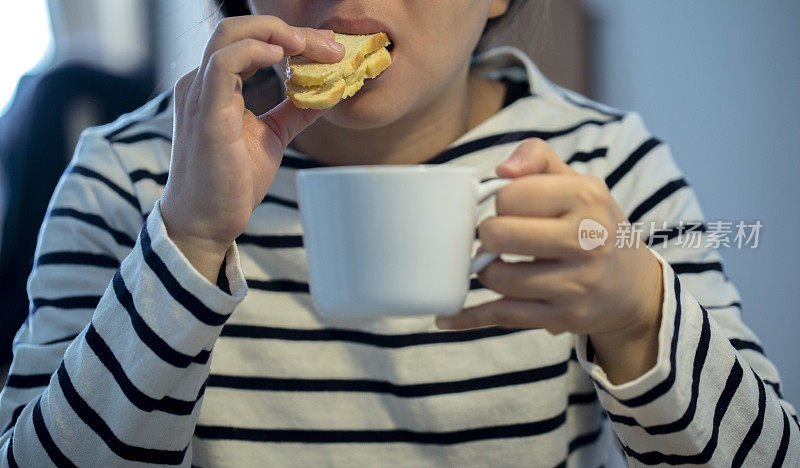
414,138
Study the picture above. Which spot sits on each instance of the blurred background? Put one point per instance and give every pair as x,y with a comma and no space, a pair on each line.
717,80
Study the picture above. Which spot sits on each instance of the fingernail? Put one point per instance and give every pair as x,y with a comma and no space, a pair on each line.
514,161
327,33
444,322
335,45
299,36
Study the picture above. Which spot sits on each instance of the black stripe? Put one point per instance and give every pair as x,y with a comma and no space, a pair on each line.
665,385
14,416
661,194
96,424
149,337
379,386
162,105
271,241
96,221
692,267
278,285
622,419
589,350
12,462
285,285
664,235
365,338
186,299
110,136
138,398
583,440
582,398
27,381
471,146
653,458
508,137
700,354
625,167
293,162
56,455
784,446
222,278
76,258
381,436
279,201
143,174
573,355
73,302
586,157
755,429
86,172
736,304
66,339
60,340
740,345
776,387
137,137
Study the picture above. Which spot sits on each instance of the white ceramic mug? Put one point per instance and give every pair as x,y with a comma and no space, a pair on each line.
391,239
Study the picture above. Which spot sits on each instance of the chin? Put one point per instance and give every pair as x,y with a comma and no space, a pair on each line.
374,106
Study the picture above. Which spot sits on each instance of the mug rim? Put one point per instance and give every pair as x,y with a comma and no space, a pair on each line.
366,169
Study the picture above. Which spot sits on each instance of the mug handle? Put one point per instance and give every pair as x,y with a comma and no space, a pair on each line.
485,190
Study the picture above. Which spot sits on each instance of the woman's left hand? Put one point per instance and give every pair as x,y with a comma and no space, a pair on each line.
611,293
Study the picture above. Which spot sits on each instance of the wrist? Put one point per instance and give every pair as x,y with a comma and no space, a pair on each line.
627,354
630,351
205,254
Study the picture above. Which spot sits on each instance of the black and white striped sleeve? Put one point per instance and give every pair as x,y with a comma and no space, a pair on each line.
111,364
713,397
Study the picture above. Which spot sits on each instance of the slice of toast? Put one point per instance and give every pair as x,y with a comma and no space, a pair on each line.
326,95
306,72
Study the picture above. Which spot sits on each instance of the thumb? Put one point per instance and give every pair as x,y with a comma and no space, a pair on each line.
287,120
533,156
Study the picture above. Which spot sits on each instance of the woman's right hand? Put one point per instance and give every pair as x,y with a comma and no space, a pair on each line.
224,158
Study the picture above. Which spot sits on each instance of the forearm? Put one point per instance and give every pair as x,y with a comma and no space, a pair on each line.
701,403
129,387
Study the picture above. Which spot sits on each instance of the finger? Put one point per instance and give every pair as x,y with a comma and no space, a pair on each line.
506,313
533,156
285,121
545,195
543,238
272,30
542,280
321,47
259,27
325,32
227,67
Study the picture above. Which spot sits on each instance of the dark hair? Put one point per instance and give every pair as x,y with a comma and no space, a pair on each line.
492,28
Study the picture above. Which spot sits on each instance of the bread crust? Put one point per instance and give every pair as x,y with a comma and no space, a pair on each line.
305,72
332,90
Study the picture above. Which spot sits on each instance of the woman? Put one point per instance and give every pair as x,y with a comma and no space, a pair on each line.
162,225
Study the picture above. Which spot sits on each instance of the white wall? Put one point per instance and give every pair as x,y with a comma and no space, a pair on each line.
719,80
184,28
108,33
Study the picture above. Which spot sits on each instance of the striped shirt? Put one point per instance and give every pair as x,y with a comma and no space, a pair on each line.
129,356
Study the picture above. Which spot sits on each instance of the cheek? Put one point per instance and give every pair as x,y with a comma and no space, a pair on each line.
288,11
